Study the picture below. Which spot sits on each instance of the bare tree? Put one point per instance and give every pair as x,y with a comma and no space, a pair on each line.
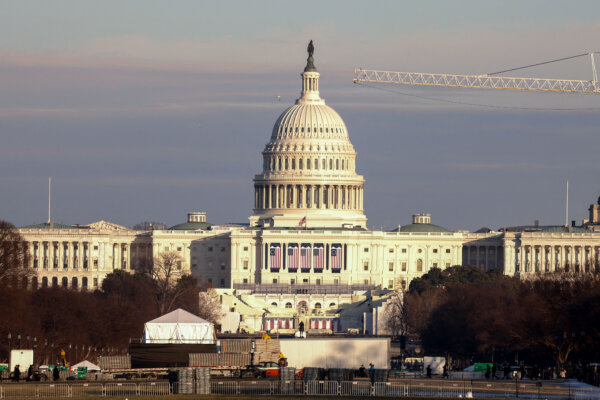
209,306
14,255
396,311
166,271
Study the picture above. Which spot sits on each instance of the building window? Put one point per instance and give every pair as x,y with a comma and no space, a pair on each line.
391,284
447,251
274,304
403,251
435,265
288,305
365,265
435,250
391,267
403,284
292,281
447,265
95,262
390,250
419,265
331,305
223,249
65,282
403,267
318,281
179,265
245,248
96,247
222,282
366,281
245,280
336,281
274,280
209,248
223,266
366,249
179,249
317,306
420,250
245,264
95,282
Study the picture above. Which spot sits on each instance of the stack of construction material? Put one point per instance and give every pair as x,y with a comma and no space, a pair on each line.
266,350
185,381
219,360
380,375
202,378
287,382
114,362
313,374
341,374
236,346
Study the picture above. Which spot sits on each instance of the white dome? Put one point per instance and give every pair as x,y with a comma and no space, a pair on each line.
309,121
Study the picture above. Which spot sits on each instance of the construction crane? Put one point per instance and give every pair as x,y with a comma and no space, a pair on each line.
485,81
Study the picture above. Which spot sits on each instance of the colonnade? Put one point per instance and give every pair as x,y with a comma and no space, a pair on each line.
484,256
551,258
339,197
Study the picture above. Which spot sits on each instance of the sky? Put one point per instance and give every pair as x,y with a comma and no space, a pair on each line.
145,110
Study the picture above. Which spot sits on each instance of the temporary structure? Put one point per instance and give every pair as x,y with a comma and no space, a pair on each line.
90,366
179,326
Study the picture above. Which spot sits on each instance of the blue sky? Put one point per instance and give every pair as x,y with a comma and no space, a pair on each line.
145,110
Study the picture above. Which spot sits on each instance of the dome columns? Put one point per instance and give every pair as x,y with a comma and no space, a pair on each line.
307,196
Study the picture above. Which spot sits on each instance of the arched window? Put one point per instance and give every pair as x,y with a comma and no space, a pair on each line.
316,164
279,163
84,283
287,165
330,163
45,282
331,305
274,304
288,305
74,283
54,281
317,306
293,163
65,282
34,283
337,164
419,265
324,164
300,164
24,282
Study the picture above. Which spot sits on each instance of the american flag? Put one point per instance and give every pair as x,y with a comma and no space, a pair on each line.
274,257
305,257
292,257
336,257
318,258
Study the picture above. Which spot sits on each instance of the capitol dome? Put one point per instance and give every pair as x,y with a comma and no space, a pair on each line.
309,166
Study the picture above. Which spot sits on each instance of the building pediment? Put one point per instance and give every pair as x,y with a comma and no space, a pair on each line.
107,226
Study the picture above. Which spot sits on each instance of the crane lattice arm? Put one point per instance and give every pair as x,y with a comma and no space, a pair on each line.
487,81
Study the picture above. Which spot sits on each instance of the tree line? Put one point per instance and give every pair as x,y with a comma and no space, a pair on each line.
87,324
472,315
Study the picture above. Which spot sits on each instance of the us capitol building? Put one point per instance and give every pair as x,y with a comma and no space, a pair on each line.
307,254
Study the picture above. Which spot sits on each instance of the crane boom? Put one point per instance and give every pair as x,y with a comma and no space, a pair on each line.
475,81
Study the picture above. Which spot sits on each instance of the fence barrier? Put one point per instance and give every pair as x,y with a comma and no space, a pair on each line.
120,389
330,388
224,387
255,388
426,388
54,390
154,389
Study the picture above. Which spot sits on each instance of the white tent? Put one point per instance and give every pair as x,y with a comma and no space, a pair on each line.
90,366
179,326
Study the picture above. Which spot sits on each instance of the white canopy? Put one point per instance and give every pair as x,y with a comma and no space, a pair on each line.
179,326
85,363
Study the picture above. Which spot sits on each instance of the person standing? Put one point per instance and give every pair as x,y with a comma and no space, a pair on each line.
372,373
428,371
445,370
55,373
17,373
29,373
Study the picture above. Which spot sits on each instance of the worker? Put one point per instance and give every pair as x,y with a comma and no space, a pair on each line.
266,335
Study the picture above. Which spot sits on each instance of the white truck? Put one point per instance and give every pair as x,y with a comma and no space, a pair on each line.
23,358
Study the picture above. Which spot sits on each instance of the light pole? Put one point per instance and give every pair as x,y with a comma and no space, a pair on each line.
9,347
